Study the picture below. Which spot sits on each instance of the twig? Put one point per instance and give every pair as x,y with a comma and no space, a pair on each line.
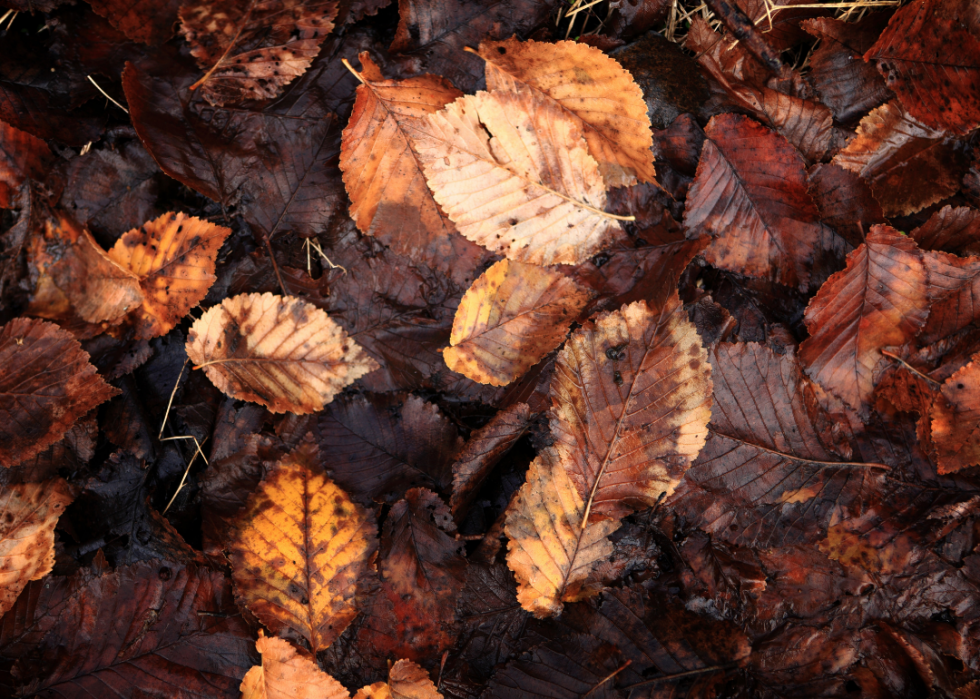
106,94
744,30
607,678
680,675
315,244
197,444
911,368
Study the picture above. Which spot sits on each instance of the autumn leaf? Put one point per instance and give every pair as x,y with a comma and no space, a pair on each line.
513,172
956,420
173,257
22,157
592,87
953,229
511,317
277,351
406,680
299,548
909,166
936,86
877,301
631,402
954,294
384,178
844,200
750,193
147,21
28,514
287,674
47,383
251,50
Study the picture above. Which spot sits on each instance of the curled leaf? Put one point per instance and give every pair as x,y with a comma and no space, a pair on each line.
406,680
281,352
287,674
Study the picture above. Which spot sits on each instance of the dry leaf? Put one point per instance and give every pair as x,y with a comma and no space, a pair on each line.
590,85
287,674
300,547
511,317
512,170
406,680
277,351
384,179
46,384
880,299
28,514
173,257
909,166
631,402
956,421
252,49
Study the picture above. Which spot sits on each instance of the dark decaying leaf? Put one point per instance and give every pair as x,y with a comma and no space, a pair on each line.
953,229
22,157
845,201
147,21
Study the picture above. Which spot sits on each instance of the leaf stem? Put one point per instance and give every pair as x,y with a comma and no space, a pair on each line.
351,69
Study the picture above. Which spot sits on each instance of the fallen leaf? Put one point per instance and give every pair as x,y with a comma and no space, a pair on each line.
954,294
531,192
406,680
909,166
146,21
511,317
286,674
956,421
276,351
880,299
47,384
750,193
389,197
953,229
28,514
22,157
936,86
299,548
251,50
845,201
591,86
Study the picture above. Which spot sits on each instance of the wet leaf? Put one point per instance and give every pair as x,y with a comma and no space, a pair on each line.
47,384
532,193
299,548
276,351
22,157
251,50
287,674
511,317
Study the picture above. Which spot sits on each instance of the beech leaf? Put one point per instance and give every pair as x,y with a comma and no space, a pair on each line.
406,680
287,674
22,157
956,421
277,351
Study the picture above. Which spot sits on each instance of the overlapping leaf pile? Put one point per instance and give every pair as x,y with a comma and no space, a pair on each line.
371,349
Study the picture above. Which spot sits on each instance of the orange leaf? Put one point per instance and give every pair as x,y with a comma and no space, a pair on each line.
529,188
46,384
956,421
511,317
277,351
252,49
879,299
406,680
589,85
173,257
286,674
28,514
300,547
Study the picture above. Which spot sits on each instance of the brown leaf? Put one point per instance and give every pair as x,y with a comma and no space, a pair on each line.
590,86
751,194
47,384
909,166
951,229
28,514
532,193
276,351
147,21
880,299
956,420
251,50
422,572
954,294
406,680
844,200
482,452
300,546
389,197
511,317
939,87
286,674
22,157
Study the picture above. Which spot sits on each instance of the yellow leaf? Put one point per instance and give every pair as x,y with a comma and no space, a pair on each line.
286,674
631,401
28,515
406,680
300,547
173,258
277,351
594,88
529,188
511,317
